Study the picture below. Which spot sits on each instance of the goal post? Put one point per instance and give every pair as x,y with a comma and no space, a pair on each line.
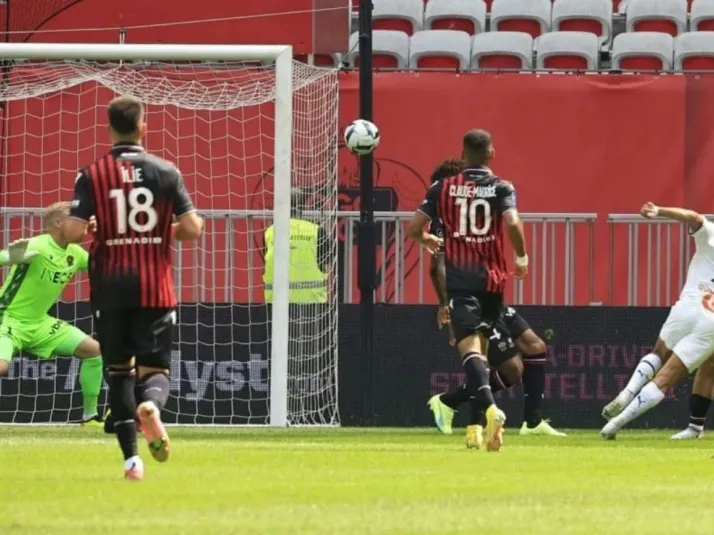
238,98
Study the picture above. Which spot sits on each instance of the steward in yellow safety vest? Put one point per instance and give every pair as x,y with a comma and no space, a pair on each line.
308,283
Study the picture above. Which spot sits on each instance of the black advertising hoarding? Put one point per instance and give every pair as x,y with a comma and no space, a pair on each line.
220,368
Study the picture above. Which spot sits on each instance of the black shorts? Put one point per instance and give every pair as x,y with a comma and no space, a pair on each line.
501,344
474,314
144,333
515,323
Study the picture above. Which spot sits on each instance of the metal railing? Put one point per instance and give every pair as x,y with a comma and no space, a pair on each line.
649,257
228,262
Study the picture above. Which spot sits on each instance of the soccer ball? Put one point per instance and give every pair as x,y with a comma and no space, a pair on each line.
361,137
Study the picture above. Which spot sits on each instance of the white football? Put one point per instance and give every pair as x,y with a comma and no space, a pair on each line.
361,137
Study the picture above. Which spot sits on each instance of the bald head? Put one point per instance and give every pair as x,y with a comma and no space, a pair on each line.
477,147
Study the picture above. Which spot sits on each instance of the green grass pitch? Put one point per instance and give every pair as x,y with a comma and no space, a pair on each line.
57,481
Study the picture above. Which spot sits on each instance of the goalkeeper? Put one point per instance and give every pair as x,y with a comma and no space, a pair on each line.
41,269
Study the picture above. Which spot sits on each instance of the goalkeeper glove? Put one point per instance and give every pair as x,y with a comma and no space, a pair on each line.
18,253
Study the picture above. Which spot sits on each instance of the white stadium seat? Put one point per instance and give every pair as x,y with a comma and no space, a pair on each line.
464,15
390,49
694,51
642,51
439,49
701,18
667,16
593,16
502,51
568,51
403,15
529,16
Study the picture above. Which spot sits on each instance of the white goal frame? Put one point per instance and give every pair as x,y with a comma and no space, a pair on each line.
282,56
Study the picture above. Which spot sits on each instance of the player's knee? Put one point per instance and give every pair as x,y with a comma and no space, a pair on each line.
512,369
89,348
145,371
661,350
4,367
531,344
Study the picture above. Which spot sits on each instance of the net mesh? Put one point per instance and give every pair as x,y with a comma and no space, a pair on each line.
216,123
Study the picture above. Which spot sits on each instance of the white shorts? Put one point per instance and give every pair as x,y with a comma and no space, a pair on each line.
683,316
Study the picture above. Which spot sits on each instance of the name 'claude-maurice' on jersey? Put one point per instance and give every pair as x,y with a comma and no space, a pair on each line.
134,197
470,206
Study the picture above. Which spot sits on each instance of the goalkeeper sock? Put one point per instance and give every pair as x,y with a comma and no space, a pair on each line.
90,380
123,404
156,387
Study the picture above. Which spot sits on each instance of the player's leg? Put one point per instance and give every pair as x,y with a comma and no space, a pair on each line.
472,319
689,353
533,352
681,320
152,332
10,343
57,337
112,328
699,402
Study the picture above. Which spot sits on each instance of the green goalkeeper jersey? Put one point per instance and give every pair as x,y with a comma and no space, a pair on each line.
31,289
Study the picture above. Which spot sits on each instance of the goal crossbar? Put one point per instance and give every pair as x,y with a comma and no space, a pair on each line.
281,55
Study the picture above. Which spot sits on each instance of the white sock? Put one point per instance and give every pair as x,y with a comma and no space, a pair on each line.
650,396
134,461
645,371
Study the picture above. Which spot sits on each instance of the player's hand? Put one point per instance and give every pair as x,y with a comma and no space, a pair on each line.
17,251
649,210
92,225
442,316
432,243
521,272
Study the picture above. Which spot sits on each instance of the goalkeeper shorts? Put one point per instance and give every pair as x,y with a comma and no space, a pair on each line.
47,338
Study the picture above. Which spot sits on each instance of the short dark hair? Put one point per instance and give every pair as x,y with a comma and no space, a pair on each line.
125,115
447,168
477,142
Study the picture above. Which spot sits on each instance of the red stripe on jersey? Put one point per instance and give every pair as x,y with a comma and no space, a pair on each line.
106,224
118,259
165,255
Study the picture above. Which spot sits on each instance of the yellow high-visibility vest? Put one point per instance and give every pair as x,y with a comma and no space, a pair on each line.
307,283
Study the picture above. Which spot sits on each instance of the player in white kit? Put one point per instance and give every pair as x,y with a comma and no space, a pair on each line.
687,336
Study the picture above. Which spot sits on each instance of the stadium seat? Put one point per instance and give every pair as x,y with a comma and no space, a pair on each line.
529,16
594,16
694,51
702,16
464,15
568,51
440,49
502,50
403,15
390,49
642,51
321,60
669,16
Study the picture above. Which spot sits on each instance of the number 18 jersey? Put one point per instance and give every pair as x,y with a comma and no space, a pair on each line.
470,206
133,196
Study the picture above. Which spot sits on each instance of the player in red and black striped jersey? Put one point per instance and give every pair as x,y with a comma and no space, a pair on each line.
135,198
473,205
515,336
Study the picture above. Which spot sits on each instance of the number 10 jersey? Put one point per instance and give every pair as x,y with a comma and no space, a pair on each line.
470,207
134,197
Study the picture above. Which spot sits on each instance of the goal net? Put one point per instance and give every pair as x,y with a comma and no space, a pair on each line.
220,123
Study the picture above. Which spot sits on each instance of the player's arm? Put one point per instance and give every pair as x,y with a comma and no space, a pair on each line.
82,209
692,219
188,226
514,228
18,252
425,213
